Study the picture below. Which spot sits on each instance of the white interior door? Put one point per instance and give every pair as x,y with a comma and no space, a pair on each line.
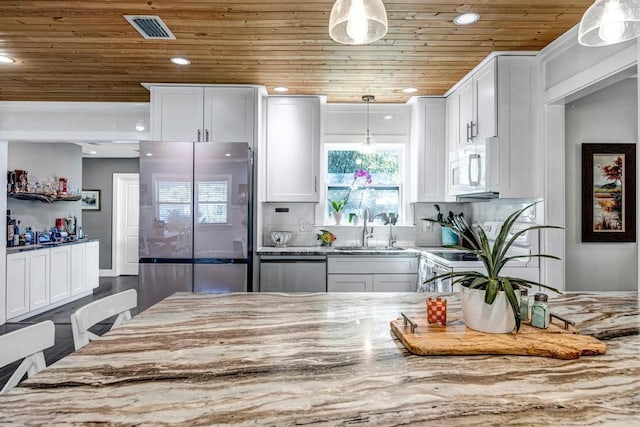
126,195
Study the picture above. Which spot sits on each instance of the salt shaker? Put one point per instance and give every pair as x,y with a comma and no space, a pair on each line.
524,304
540,315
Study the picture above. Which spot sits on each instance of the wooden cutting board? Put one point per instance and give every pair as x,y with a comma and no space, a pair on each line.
455,339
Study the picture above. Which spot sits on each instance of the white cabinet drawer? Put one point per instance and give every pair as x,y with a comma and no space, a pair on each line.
395,282
349,282
371,265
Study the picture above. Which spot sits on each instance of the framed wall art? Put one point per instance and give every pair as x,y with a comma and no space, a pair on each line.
608,192
90,200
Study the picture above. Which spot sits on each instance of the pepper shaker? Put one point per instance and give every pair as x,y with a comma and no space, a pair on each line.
540,315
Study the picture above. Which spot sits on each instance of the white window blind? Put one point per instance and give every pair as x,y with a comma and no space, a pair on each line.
213,199
174,200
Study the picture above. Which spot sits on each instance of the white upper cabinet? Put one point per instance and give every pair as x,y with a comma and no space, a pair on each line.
228,114
292,149
493,119
453,117
476,99
210,114
428,149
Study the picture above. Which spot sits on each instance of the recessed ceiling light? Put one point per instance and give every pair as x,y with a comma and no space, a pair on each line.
466,18
93,152
410,90
280,89
228,155
149,154
140,127
6,59
388,117
180,61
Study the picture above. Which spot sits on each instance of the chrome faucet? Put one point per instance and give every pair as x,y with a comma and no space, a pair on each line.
366,234
392,240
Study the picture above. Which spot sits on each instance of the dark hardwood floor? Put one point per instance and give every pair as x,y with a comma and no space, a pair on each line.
61,317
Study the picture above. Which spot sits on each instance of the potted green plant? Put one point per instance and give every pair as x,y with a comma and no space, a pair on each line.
490,302
337,206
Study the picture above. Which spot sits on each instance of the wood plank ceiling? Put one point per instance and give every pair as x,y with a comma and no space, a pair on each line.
84,50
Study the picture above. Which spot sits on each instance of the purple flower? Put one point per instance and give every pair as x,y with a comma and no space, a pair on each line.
362,173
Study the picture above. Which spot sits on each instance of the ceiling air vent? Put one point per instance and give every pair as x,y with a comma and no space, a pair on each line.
151,27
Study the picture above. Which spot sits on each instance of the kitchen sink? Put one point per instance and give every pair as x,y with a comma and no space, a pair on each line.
370,249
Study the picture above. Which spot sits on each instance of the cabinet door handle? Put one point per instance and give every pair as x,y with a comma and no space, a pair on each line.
199,135
206,135
469,132
315,184
475,158
474,134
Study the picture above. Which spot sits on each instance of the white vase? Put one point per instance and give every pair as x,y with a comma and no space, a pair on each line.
496,318
337,216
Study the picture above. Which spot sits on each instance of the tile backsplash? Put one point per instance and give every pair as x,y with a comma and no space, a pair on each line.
299,219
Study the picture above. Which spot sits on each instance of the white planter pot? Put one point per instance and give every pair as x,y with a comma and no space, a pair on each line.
496,318
337,216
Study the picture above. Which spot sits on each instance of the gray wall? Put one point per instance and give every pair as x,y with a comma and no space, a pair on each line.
51,161
606,116
97,174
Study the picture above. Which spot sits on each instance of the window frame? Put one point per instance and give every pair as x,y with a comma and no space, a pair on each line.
404,176
193,204
214,178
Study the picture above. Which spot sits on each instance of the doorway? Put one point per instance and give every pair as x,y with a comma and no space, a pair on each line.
125,223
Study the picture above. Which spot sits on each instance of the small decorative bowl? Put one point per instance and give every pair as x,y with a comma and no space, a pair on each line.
280,238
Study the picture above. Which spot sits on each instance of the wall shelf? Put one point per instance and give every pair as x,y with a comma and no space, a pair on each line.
45,198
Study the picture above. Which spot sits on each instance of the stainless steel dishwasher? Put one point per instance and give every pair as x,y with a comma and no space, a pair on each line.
287,273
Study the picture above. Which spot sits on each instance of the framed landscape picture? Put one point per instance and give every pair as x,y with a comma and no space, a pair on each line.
608,192
90,200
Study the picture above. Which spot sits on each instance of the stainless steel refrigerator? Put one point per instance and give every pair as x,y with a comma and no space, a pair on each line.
195,218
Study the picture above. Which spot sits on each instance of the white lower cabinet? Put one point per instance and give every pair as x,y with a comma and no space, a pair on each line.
60,273
395,282
372,274
38,278
78,259
92,265
349,283
17,284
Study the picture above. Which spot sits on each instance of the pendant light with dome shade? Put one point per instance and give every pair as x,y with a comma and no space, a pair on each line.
357,21
608,22
367,147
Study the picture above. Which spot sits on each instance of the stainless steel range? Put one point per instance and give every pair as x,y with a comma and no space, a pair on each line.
443,260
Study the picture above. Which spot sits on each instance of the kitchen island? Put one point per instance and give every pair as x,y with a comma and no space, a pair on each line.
282,359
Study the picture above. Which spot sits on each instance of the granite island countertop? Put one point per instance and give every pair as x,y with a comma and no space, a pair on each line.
328,359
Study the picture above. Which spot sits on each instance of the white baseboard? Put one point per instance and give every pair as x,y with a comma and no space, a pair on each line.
108,273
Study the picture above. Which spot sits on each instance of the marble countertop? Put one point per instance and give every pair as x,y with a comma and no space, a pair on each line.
328,359
16,249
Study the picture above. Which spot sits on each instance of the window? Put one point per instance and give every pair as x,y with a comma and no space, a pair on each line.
381,195
213,199
174,200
